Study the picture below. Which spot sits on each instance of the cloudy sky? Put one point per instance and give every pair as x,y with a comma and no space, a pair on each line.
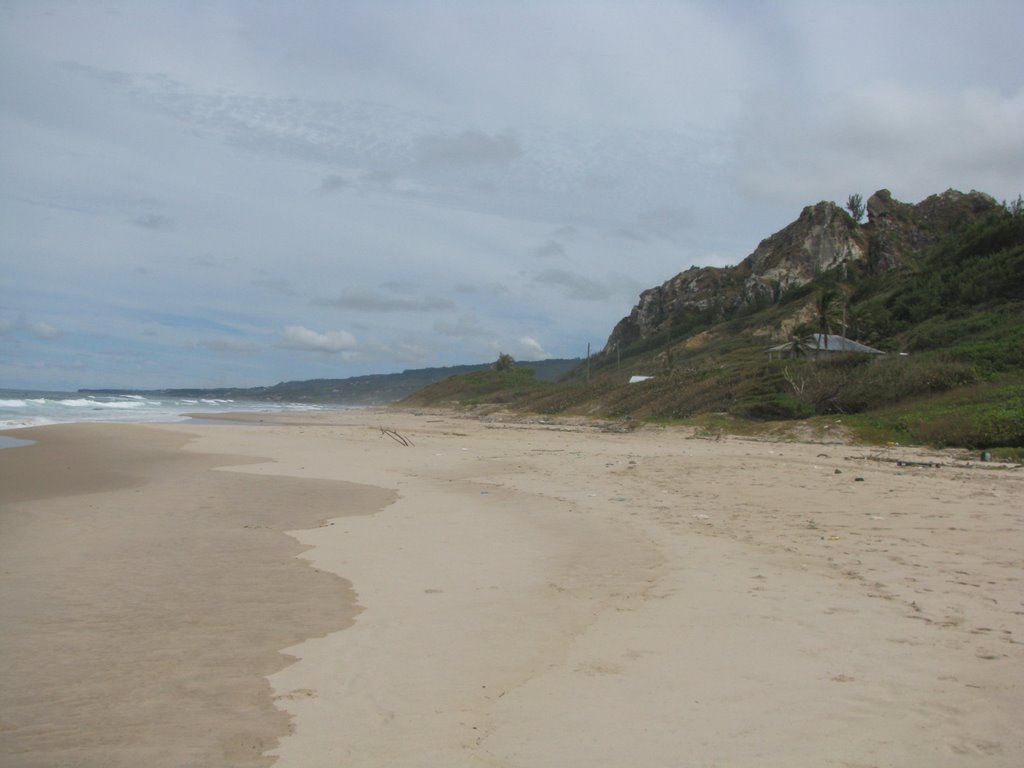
206,193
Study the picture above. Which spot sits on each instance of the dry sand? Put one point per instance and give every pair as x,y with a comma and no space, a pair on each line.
537,595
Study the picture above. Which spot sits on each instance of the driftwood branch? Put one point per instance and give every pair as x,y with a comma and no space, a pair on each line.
397,437
798,383
901,462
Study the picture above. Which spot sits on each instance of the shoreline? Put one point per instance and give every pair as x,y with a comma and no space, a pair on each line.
546,594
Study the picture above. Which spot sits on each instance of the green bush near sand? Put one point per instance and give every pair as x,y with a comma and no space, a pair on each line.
986,415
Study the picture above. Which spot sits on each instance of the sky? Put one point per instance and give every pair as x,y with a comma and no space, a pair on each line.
213,193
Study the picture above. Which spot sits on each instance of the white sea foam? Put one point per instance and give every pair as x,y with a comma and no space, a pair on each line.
29,421
89,402
28,409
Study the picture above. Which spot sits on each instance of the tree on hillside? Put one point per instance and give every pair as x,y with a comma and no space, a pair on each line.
1015,207
855,205
799,345
824,307
505,362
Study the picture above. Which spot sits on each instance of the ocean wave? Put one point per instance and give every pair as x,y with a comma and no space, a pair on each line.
25,408
90,403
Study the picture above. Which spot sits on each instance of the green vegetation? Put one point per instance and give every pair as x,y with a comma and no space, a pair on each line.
855,205
487,386
985,415
956,314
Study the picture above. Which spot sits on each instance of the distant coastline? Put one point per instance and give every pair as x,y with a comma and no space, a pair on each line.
373,389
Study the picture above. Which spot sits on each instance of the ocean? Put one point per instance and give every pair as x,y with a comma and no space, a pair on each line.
25,408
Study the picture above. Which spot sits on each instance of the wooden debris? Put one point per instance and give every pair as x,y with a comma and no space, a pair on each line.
397,437
900,462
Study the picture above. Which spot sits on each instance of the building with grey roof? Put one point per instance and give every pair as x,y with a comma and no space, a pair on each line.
818,344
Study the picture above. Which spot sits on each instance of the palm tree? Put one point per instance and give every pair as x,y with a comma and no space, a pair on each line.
823,307
855,205
799,346
504,362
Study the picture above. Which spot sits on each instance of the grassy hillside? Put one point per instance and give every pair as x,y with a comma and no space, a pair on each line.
510,387
957,312
375,389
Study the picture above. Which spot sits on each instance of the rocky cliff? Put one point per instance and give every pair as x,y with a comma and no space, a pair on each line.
824,238
897,231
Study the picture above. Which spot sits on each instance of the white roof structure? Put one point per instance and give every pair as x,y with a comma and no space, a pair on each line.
820,343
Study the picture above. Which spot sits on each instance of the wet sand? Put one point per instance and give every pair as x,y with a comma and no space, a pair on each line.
532,594
145,595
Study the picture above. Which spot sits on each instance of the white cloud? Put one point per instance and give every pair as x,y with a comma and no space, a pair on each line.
914,140
551,248
574,286
486,289
408,352
530,349
332,183
332,342
42,330
154,221
467,148
373,301
278,285
666,221
467,326
231,346
37,329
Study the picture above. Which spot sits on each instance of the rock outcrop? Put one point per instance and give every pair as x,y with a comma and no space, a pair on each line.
899,230
824,238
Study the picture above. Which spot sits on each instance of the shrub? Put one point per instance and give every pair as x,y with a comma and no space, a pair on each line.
773,407
989,427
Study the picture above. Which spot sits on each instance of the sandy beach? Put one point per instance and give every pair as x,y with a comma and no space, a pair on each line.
303,591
